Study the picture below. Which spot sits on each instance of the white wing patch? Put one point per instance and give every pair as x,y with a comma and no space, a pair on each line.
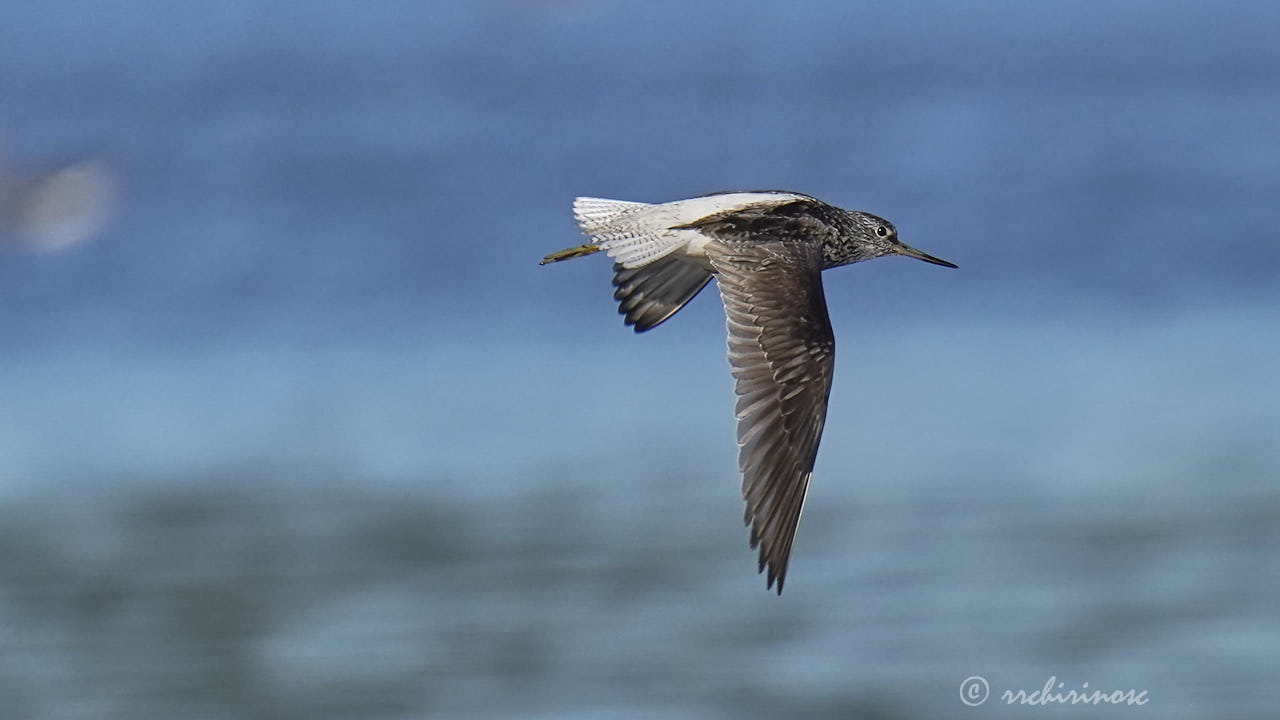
635,234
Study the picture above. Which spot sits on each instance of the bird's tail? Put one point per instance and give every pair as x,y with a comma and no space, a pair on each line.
652,284
596,216
632,233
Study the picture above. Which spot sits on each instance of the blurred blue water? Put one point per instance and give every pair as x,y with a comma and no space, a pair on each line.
307,430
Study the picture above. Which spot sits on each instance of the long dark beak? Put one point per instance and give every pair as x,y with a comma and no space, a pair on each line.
912,252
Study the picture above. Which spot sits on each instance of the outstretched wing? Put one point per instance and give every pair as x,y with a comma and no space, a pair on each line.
650,294
782,352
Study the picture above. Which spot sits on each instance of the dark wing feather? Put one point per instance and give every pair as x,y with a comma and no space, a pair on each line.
782,352
652,293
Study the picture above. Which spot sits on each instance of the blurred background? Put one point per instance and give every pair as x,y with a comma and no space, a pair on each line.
293,425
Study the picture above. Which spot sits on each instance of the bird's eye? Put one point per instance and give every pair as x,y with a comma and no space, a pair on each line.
882,231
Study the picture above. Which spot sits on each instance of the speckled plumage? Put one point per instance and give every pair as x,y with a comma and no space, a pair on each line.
767,251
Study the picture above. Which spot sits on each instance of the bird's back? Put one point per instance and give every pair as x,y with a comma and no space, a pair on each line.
635,234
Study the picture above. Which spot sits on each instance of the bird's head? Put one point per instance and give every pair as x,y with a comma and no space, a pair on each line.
868,236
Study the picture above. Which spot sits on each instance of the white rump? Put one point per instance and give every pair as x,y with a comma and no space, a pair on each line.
635,234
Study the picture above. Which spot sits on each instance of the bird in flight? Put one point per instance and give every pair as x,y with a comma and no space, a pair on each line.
767,251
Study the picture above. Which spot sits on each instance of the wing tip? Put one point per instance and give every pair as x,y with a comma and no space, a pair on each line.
776,574
776,567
